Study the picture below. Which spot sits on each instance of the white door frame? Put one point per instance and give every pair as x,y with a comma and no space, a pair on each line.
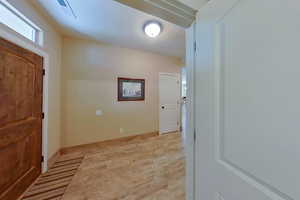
190,131
168,74
27,44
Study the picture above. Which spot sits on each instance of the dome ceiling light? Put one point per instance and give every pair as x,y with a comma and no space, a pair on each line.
153,29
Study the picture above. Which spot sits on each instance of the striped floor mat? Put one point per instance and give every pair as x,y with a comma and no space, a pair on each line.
52,184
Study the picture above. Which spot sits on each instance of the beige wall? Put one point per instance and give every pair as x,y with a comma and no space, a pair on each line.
90,72
52,45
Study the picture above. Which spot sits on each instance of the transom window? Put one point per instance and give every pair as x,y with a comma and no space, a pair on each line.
16,21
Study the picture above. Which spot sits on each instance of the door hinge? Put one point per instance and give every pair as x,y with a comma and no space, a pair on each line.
195,47
42,159
44,72
195,135
43,115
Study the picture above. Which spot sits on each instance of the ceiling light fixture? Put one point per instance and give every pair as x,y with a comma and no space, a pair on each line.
152,29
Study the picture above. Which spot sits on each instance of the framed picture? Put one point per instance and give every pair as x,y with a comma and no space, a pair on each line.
131,89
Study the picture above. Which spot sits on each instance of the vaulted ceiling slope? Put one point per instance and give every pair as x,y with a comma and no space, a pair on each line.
173,11
112,22
195,4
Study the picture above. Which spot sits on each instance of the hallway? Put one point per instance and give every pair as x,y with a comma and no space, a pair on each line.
142,168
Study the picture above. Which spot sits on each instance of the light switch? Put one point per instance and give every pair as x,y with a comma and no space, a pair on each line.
99,113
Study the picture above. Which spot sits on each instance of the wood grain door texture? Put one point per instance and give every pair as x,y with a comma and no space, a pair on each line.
21,97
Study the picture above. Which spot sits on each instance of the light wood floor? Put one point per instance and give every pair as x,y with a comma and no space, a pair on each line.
140,169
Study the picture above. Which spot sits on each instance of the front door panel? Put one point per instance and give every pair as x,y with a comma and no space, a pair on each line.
21,86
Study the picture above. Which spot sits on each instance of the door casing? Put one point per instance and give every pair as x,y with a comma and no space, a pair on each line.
190,105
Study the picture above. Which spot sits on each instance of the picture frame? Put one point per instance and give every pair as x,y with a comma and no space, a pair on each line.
130,89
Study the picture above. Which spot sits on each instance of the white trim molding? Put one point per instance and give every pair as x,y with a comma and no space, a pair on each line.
169,10
190,139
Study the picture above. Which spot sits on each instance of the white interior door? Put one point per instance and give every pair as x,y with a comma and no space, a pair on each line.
169,101
247,100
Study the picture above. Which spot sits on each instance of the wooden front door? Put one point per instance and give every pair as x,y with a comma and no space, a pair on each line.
21,93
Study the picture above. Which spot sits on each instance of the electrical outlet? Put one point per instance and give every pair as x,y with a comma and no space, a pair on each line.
121,130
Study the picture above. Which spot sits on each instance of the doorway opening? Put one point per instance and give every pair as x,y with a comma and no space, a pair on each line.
135,146
169,103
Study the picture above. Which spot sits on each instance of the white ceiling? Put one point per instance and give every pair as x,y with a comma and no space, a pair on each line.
111,22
